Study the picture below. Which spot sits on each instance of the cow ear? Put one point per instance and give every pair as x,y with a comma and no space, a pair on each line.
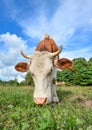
63,63
21,66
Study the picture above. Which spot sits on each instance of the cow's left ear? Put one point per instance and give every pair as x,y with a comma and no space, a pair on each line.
63,63
21,66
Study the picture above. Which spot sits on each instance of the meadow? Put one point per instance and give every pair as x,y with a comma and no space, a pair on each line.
18,111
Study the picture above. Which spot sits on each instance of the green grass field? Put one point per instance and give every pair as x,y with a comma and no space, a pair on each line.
18,111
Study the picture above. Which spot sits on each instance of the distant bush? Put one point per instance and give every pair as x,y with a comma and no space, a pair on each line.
82,75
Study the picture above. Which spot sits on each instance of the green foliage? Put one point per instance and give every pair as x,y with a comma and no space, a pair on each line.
29,80
18,112
9,83
90,60
82,75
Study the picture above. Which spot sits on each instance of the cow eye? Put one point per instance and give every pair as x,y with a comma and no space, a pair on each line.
32,74
50,71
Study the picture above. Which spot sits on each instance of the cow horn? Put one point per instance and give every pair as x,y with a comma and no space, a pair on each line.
24,55
57,52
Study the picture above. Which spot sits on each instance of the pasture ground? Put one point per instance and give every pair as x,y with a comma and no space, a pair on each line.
18,111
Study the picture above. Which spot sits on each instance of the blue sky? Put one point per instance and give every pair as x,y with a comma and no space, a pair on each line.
24,22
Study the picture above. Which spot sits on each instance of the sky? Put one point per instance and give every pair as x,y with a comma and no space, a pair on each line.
23,23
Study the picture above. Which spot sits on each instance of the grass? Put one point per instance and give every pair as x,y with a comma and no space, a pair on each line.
18,111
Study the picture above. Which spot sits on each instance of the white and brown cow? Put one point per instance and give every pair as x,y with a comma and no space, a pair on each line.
42,66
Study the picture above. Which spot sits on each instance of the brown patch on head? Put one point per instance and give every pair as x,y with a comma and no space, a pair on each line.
47,44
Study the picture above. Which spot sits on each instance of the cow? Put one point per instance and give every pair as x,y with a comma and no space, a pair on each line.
42,65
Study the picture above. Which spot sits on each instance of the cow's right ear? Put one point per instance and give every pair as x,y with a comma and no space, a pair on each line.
22,66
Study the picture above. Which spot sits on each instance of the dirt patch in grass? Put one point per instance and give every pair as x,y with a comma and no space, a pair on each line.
87,103
81,100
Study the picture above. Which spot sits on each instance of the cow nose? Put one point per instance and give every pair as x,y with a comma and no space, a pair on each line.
40,101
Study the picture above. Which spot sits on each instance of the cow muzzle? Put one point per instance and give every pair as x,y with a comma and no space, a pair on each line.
40,101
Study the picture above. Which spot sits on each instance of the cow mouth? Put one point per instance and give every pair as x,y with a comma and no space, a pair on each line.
40,101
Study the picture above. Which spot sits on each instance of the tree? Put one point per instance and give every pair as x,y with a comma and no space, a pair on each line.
82,75
1,82
29,80
90,60
83,72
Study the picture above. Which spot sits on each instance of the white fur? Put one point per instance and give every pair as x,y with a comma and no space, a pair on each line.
43,72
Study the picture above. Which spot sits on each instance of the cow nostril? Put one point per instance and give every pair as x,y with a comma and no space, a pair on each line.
40,101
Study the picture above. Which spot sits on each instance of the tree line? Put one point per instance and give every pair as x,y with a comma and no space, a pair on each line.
82,75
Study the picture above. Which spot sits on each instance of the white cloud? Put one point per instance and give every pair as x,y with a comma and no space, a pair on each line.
13,44
9,73
19,78
10,55
85,52
12,41
69,16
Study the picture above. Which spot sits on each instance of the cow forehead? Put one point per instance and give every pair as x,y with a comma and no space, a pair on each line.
41,53
41,56
41,60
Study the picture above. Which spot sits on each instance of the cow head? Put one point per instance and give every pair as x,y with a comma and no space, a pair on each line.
42,66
